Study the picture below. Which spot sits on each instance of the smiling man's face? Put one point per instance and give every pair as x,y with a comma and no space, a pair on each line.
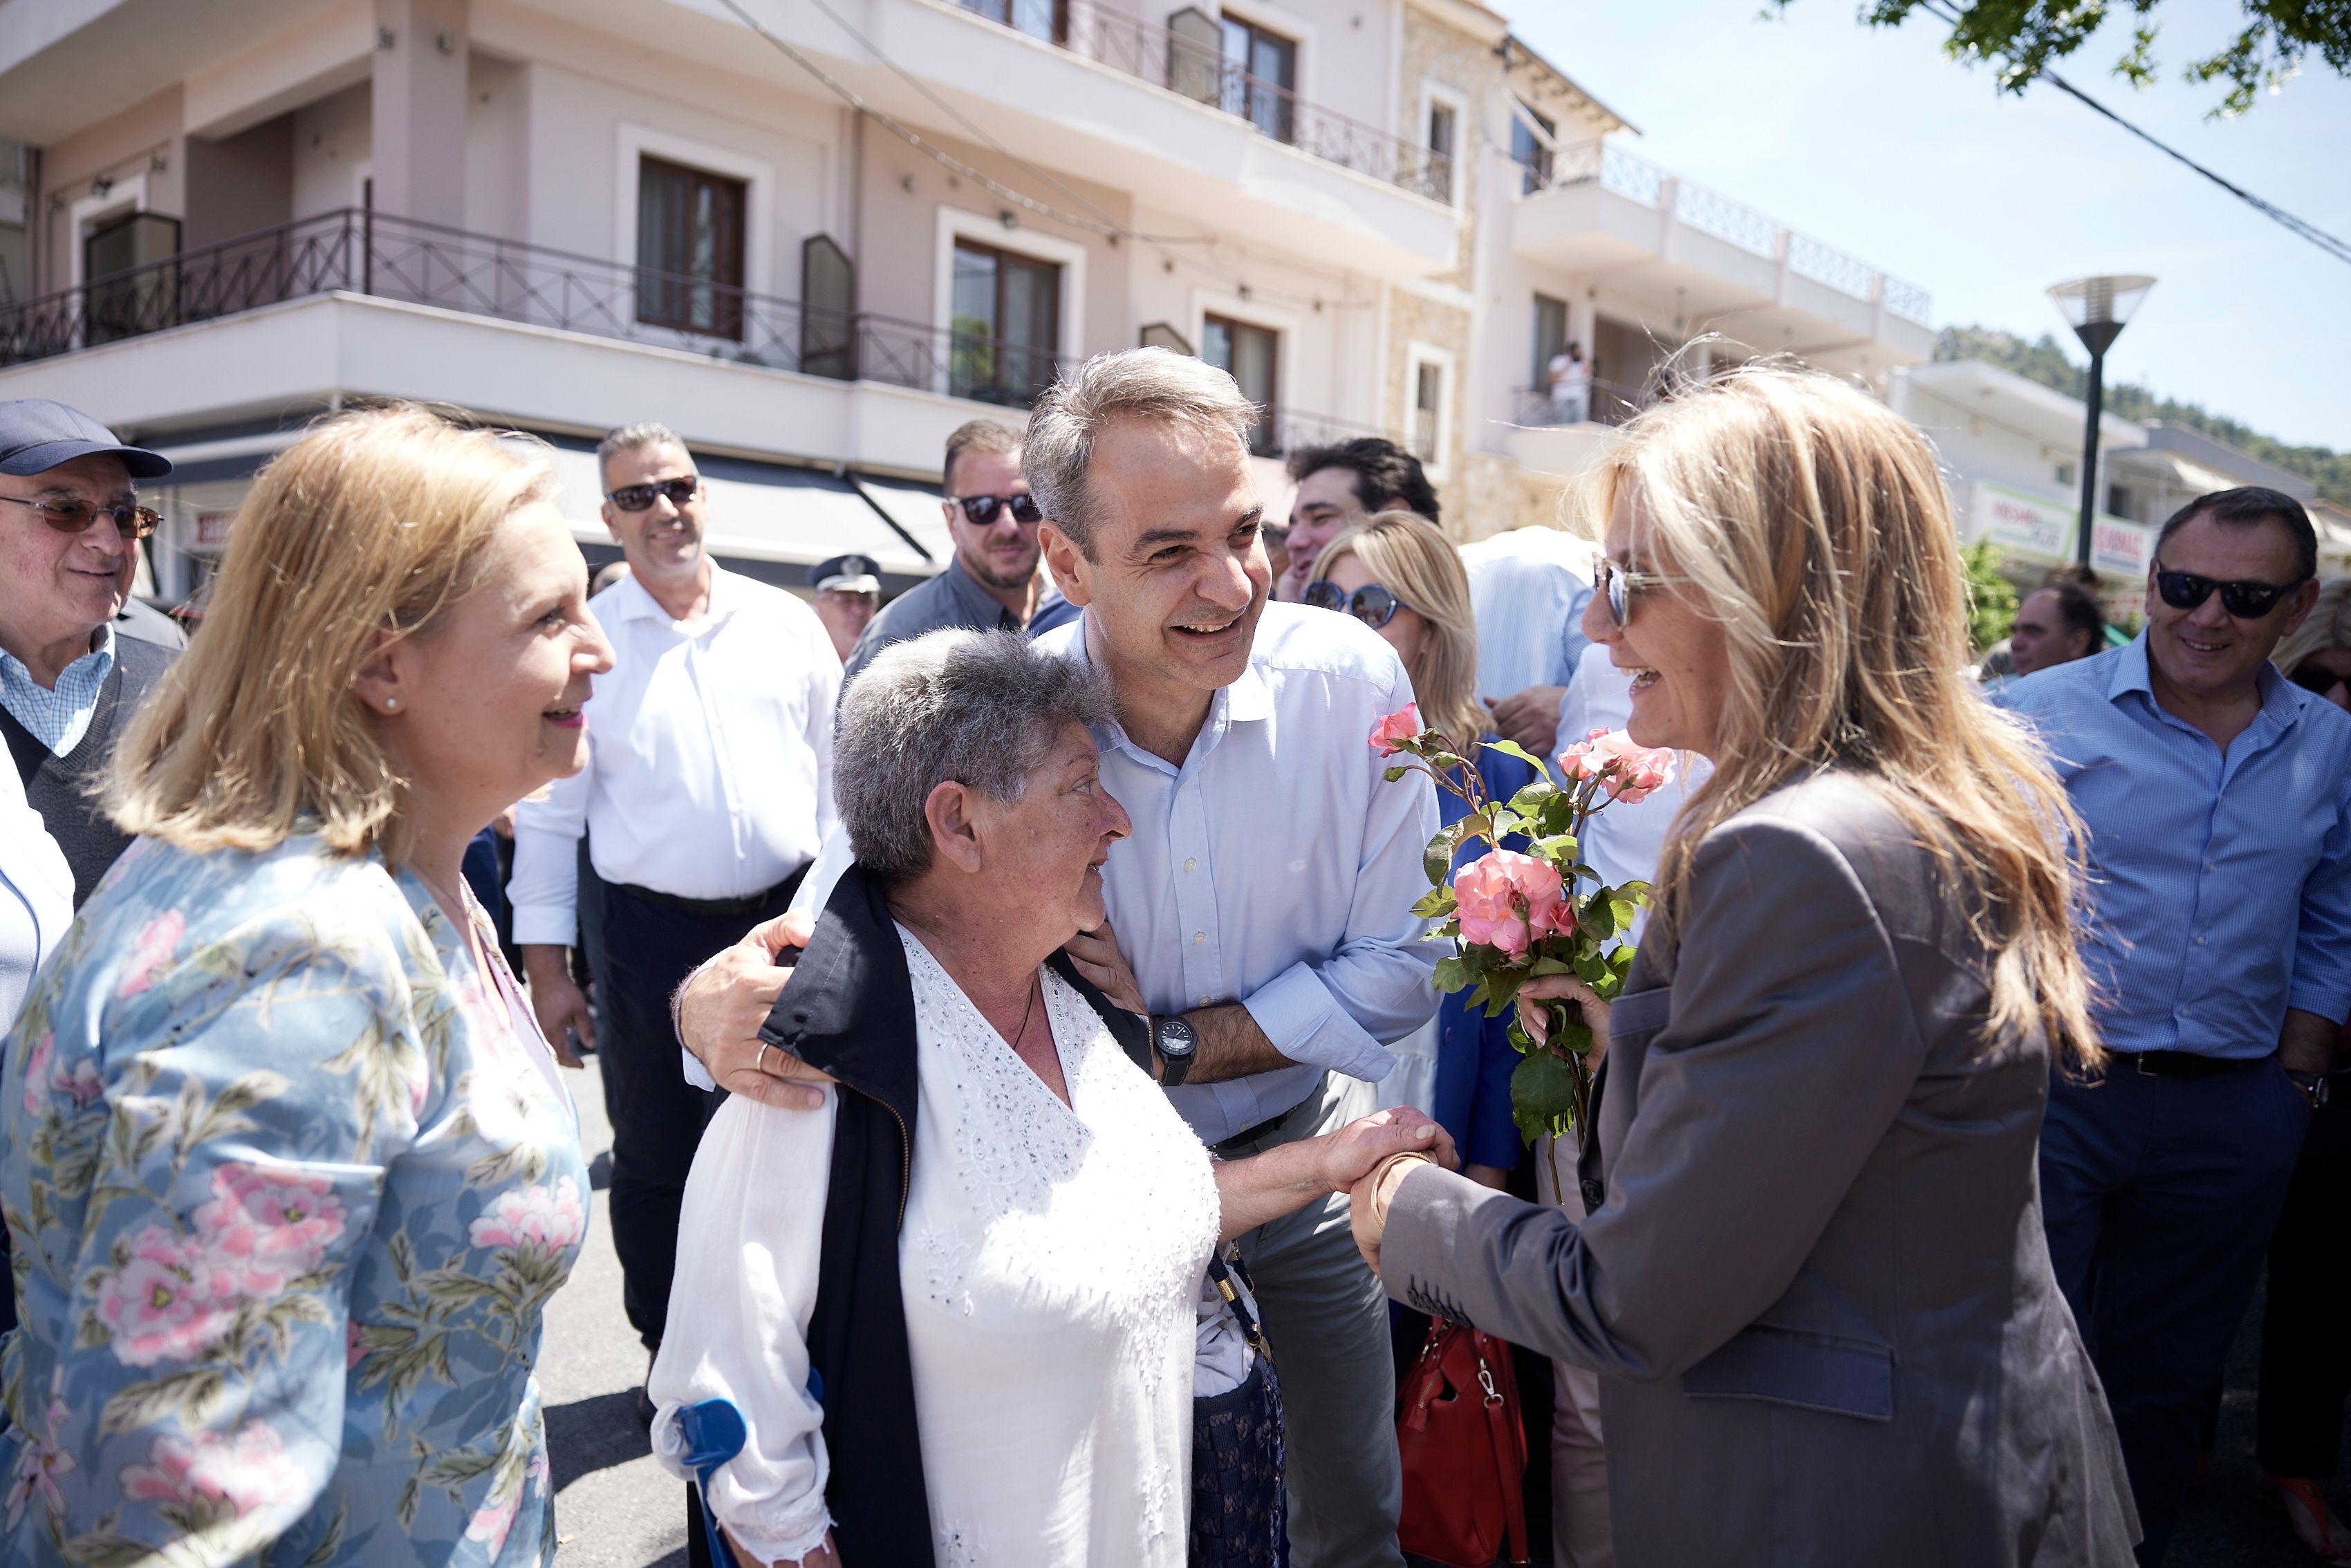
1173,573
58,587
2206,652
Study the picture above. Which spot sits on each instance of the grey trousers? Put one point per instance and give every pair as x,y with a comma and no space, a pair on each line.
1326,1318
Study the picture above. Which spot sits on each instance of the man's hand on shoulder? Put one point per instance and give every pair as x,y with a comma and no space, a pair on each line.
723,1004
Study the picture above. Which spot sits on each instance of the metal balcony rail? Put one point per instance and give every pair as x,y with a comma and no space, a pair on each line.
360,252
1282,431
1611,167
1187,57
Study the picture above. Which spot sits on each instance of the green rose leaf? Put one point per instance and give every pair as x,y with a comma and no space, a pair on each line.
1438,858
1542,1096
1513,748
1452,974
1532,799
1436,903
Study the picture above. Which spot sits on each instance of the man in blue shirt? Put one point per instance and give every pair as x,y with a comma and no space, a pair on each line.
2217,799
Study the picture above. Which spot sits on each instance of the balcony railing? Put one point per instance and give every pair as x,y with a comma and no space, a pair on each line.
1629,175
1610,402
363,252
1188,57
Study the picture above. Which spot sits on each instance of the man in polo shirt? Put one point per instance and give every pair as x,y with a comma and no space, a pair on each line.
70,526
993,582
848,593
2217,799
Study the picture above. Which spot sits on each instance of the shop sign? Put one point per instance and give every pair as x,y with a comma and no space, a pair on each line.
2022,522
2124,549
211,527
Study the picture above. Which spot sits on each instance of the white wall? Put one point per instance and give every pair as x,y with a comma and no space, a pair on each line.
1973,446
333,140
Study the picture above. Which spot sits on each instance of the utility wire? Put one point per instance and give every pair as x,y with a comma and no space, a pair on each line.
2339,249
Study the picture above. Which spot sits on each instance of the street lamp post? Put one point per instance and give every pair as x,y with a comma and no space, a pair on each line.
2096,308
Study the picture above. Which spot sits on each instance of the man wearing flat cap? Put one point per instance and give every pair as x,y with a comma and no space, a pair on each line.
848,593
70,678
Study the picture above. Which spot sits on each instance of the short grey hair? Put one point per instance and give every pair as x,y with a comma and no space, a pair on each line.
1135,383
982,708
629,437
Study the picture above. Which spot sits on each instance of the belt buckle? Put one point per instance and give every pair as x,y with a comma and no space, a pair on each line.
2138,1065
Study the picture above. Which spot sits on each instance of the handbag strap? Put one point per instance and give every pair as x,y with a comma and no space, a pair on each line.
1509,1457
1235,1301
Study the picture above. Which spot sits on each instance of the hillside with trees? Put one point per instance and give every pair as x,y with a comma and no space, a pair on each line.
2045,363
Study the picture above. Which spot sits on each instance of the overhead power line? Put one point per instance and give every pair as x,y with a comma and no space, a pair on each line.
2339,249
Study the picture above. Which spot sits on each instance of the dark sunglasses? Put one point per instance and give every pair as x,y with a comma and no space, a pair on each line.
1616,585
2311,678
71,516
638,497
982,509
2245,600
1372,605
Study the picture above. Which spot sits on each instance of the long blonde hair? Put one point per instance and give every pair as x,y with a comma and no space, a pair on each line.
1409,555
2328,626
1811,522
372,524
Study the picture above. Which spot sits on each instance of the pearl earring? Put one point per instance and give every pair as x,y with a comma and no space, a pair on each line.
392,704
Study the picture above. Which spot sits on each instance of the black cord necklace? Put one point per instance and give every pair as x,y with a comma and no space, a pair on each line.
1026,1014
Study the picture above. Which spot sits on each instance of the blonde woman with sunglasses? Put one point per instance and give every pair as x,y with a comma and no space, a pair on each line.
1814,1278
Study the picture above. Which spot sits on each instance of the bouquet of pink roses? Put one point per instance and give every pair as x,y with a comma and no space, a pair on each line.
1514,915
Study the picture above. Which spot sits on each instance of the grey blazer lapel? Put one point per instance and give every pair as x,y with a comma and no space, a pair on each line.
1632,1021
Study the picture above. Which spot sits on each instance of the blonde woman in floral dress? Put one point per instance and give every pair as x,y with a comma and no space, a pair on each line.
290,1171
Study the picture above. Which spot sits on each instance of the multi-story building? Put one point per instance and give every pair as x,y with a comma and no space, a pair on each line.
2012,451
815,235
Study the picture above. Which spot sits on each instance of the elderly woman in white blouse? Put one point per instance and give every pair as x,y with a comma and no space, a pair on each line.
959,1306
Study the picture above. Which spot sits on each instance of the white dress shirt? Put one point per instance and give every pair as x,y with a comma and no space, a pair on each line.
36,893
1051,1261
1528,589
710,757
1623,842
1277,868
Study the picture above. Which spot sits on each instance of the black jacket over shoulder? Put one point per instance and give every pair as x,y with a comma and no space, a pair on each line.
848,1008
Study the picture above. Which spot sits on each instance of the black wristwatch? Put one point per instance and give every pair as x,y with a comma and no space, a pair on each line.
2312,1084
1174,1040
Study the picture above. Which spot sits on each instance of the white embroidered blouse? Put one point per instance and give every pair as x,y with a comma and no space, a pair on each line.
1050,1259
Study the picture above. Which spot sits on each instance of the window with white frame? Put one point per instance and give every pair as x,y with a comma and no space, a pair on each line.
691,232
1006,323
1428,413
1251,355
1444,133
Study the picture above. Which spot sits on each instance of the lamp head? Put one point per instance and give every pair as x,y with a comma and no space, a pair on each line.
2096,308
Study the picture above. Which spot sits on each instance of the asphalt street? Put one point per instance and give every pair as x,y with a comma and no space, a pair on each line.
616,1508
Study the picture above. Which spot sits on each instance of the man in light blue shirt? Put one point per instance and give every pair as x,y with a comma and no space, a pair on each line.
2217,796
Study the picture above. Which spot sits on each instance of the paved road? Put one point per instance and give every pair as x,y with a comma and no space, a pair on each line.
615,1505
615,1508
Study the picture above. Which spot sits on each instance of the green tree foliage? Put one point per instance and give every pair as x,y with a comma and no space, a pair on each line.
2021,38
1991,598
2045,363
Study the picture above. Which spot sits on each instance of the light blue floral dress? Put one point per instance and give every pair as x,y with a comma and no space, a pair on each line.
289,1186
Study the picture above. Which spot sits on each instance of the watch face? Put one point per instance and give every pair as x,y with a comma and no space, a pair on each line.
1176,1037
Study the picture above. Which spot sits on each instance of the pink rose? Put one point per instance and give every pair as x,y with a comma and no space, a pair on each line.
1583,759
153,945
1637,771
250,1470
166,1304
1402,725
269,1225
1508,900
544,1219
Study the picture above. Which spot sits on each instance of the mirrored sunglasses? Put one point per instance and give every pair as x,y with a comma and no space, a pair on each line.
1372,605
983,509
637,498
2245,600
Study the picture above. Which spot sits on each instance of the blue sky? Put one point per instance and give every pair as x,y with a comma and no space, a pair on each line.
1872,141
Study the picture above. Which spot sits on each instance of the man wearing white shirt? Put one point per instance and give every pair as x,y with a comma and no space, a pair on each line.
707,792
1262,905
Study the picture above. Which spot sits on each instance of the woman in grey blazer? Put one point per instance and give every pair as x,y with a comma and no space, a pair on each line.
1814,1278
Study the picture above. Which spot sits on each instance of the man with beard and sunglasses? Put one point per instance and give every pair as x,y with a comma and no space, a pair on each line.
993,583
2217,796
707,792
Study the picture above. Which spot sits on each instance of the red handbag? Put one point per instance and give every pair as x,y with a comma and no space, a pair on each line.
1464,1449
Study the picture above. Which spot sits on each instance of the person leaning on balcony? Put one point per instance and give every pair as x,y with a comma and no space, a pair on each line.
1814,1280
994,582
70,677
291,1172
1570,385
700,809
1263,903
2217,795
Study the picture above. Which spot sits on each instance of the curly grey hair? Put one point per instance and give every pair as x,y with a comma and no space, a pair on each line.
982,708
1135,383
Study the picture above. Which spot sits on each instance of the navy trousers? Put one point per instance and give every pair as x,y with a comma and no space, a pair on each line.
639,954
2159,1195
